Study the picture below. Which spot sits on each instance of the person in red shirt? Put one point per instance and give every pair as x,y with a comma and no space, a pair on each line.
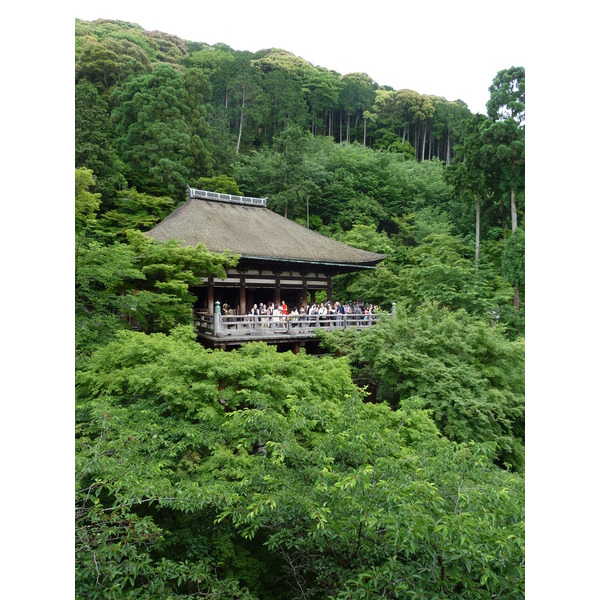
284,308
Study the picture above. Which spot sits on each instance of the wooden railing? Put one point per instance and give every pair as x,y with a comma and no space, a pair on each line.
264,326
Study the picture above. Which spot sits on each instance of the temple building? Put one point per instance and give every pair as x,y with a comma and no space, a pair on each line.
279,259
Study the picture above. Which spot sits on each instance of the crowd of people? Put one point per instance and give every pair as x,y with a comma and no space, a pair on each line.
313,315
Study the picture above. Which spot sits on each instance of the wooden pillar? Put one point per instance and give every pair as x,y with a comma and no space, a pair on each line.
304,298
329,288
242,295
211,295
277,289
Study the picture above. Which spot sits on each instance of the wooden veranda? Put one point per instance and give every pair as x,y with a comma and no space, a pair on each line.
228,330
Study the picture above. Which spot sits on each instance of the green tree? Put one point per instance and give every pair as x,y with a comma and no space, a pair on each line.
248,103
441,270
132,210
468,173
466,372
391,142
158,133
197,91
219,183
507,95
357,94
109,61
94,143
137,283
284,99
261,461
506,135
513,261
86,202
321,88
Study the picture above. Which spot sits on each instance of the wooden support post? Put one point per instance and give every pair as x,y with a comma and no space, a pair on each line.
211,295
329,288
277,289
304,299
242,295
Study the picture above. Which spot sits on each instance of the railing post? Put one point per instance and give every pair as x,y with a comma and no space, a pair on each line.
217,317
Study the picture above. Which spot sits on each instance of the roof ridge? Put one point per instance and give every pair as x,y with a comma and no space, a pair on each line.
230,198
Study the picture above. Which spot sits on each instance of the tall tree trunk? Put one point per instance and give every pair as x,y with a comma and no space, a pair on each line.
477,215
448,150
513,203
365,131
239,140
348,128
424,140
513,218
341,127
416,144
430,145
513,210
404,133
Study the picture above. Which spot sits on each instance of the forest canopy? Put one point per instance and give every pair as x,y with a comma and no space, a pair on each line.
391,465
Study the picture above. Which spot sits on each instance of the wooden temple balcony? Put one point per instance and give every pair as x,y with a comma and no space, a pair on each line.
278,258
224,330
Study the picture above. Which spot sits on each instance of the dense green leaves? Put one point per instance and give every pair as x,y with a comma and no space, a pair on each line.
345,496
389,467
94,144
513,259
160,132
468,374
132,210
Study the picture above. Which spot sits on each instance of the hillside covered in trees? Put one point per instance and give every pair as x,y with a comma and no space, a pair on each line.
391,466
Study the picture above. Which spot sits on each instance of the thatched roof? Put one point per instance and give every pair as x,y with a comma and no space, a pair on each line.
255,232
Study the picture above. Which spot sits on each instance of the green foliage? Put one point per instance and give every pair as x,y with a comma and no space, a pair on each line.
345,184
94,144
86,202
219,183
160,296
467,373
160,132
140,283
260,474
392,143
275,456
442,272
507,95
513,259
132,210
